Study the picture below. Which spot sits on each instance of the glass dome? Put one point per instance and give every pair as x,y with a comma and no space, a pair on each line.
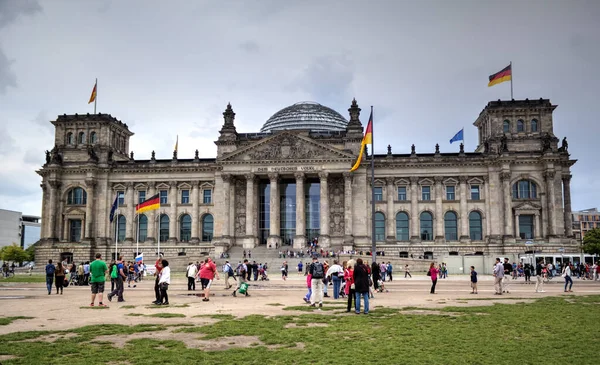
306,115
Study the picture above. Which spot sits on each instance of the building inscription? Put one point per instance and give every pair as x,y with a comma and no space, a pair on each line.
286,168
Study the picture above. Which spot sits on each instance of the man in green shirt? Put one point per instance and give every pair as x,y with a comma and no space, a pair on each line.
98,269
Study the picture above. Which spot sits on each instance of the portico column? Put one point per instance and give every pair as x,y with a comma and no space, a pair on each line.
89,209
151,215
54,192
517,232
414,209
130,213
537,224
549,176
250,208
173,219
348,219
274,215
488,203
567,196
324,209
464,214
226,204
300,237
390,219
508,222
439,214
195,212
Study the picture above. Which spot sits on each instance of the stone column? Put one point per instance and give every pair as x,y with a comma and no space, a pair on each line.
130,214
300,237
517,233
348,218
226,204
195,212
537,226
464,214
439,213
54,212
414,209
274,238
549,176
173,211
506,192
488,203
151,215
89,209
251,210
567,196
45,214
390,219
324,238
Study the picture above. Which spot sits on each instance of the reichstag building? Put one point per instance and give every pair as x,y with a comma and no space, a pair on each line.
290,183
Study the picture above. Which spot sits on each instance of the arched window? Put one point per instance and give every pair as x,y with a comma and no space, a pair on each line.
520,126
70,138
475,230
81,139
76,196
93,138
534,125
450,226
121,224
402,232
185,228
164,228
426,226
143,228
379,227
524,189
207,228
506,126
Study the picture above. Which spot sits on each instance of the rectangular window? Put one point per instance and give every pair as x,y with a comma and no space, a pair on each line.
164,196
526,227
402,193
121,195
185,196
141,197
475,192
378,193
75,230
426,193
207,196
450,193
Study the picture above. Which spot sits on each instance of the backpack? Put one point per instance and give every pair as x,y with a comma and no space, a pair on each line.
240,269
50,269
318,271
114,273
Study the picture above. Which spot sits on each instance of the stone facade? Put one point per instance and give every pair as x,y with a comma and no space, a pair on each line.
491,201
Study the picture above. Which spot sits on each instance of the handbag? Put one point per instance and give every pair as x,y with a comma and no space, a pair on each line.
370,281
352,286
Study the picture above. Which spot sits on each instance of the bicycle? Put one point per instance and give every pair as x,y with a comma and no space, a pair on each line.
9,274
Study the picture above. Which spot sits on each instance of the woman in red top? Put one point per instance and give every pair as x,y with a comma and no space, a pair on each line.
207,274
349,278
433,272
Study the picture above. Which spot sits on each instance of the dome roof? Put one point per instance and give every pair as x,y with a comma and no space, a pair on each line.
306,115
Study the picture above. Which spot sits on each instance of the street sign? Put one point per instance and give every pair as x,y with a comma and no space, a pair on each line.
529,243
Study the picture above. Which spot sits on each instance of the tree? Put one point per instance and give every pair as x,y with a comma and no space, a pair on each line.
13,253
591,242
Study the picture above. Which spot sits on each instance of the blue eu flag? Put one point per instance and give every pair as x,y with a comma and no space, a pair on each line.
458,136
114,208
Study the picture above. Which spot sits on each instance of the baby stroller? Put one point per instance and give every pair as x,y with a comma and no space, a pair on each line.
263,274
74,278
381,288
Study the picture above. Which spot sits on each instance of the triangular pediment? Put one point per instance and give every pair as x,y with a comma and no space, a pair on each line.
528,206
286,146
162,186
119,186
401,182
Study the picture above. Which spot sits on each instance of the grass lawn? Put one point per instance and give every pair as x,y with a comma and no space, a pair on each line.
24,278
546,331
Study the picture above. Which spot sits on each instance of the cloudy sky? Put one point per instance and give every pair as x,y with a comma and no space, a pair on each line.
169,68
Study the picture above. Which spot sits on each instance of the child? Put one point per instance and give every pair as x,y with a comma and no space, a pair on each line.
473,280
309,286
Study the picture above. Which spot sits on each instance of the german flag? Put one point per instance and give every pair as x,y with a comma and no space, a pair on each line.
368,138
94,92
498,77
148,204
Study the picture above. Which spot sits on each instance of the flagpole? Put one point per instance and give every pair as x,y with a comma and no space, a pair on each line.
96,98
511,81
137,243
117,237
158,253
464,144
373,189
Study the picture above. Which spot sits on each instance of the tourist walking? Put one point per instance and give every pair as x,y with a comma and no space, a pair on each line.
158,268
50,269
566,273
337,274
191,272
473,280
207,275
539,276
284,270
228,273
407,271
350,287
361,286
98,271
383,271
498,276
121,276
389,270
433,272
375,275
241,276
317,272
163,283
508,268
309,287
59,275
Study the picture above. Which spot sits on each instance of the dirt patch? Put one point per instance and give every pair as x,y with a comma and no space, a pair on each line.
295,325
51,338
8,357
431,312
